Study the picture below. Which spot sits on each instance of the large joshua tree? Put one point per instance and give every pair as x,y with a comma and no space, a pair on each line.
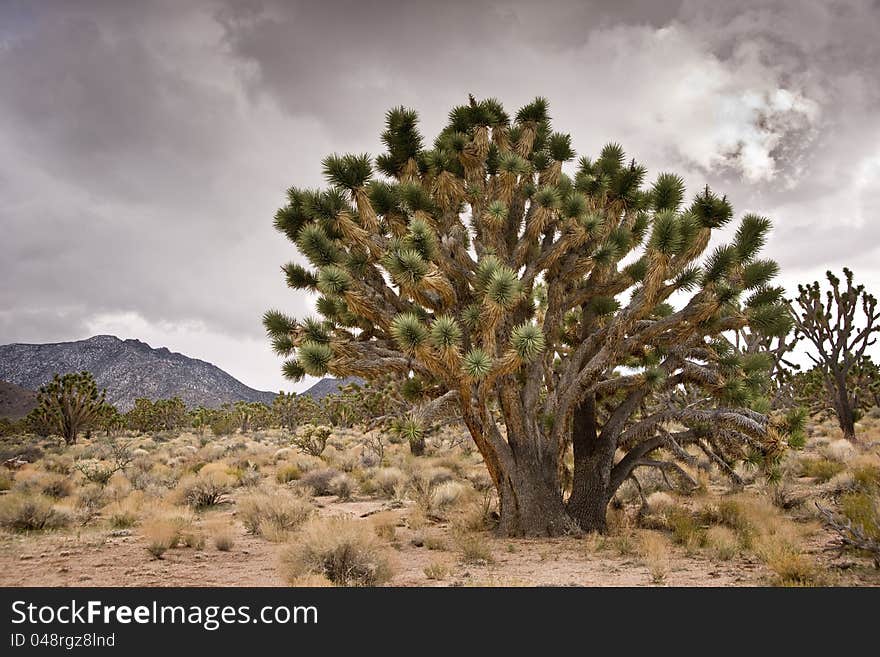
536,302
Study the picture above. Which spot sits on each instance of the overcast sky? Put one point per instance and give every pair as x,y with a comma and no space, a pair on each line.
145,146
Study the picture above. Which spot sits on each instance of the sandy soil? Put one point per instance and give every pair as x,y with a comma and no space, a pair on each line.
101,557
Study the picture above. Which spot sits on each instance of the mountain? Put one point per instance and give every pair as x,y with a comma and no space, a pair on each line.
15,401
329,386
128,369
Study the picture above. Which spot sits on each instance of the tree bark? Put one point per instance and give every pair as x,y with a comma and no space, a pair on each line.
593,461
531,505
843,408
417,446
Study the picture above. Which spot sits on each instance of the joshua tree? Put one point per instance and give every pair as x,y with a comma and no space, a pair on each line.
536,303
68,405
840,339
141,417
169,414
284,409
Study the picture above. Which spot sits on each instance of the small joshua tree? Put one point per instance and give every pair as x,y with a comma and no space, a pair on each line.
68,405
535,302
840,326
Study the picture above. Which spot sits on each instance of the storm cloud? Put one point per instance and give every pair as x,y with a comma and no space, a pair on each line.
144,147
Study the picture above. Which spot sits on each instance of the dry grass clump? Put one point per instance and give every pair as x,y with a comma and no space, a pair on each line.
39,482
821,469
287,472
863,509
840,450
723,542
654,550
385,525
223,536
23,512
161,534
206,489
390,481
343,550
474,548
774,539
125,513
342,486
166,528
318,480
790,566
273,515
447,495
311,581
660,502
436,570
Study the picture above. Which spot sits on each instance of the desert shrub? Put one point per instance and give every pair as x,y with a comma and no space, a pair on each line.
248,478
205,490
6,480
287,473
223,538
436,570
475,516
342,485
437,474
866,474
435,543
790,566
343,550
660,502
124,513
840,450
821,469
385,525
390,481
55,485
446,495
480,479
654,550
311,439
686,530
863,509
272,515
192,538
89,501
311,580
28,512
723,543
58,463
474,548
319,480
161,534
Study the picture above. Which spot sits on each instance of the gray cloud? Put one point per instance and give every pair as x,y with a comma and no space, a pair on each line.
145,146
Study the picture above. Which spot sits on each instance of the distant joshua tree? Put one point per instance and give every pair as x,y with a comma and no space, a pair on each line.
535,303
840,328
69,405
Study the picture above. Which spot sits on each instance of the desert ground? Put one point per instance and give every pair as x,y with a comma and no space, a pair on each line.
251,509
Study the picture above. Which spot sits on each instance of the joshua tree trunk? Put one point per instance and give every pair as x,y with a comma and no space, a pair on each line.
593,461
417,445
531,505
69,434
531,501
526,479
844,408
